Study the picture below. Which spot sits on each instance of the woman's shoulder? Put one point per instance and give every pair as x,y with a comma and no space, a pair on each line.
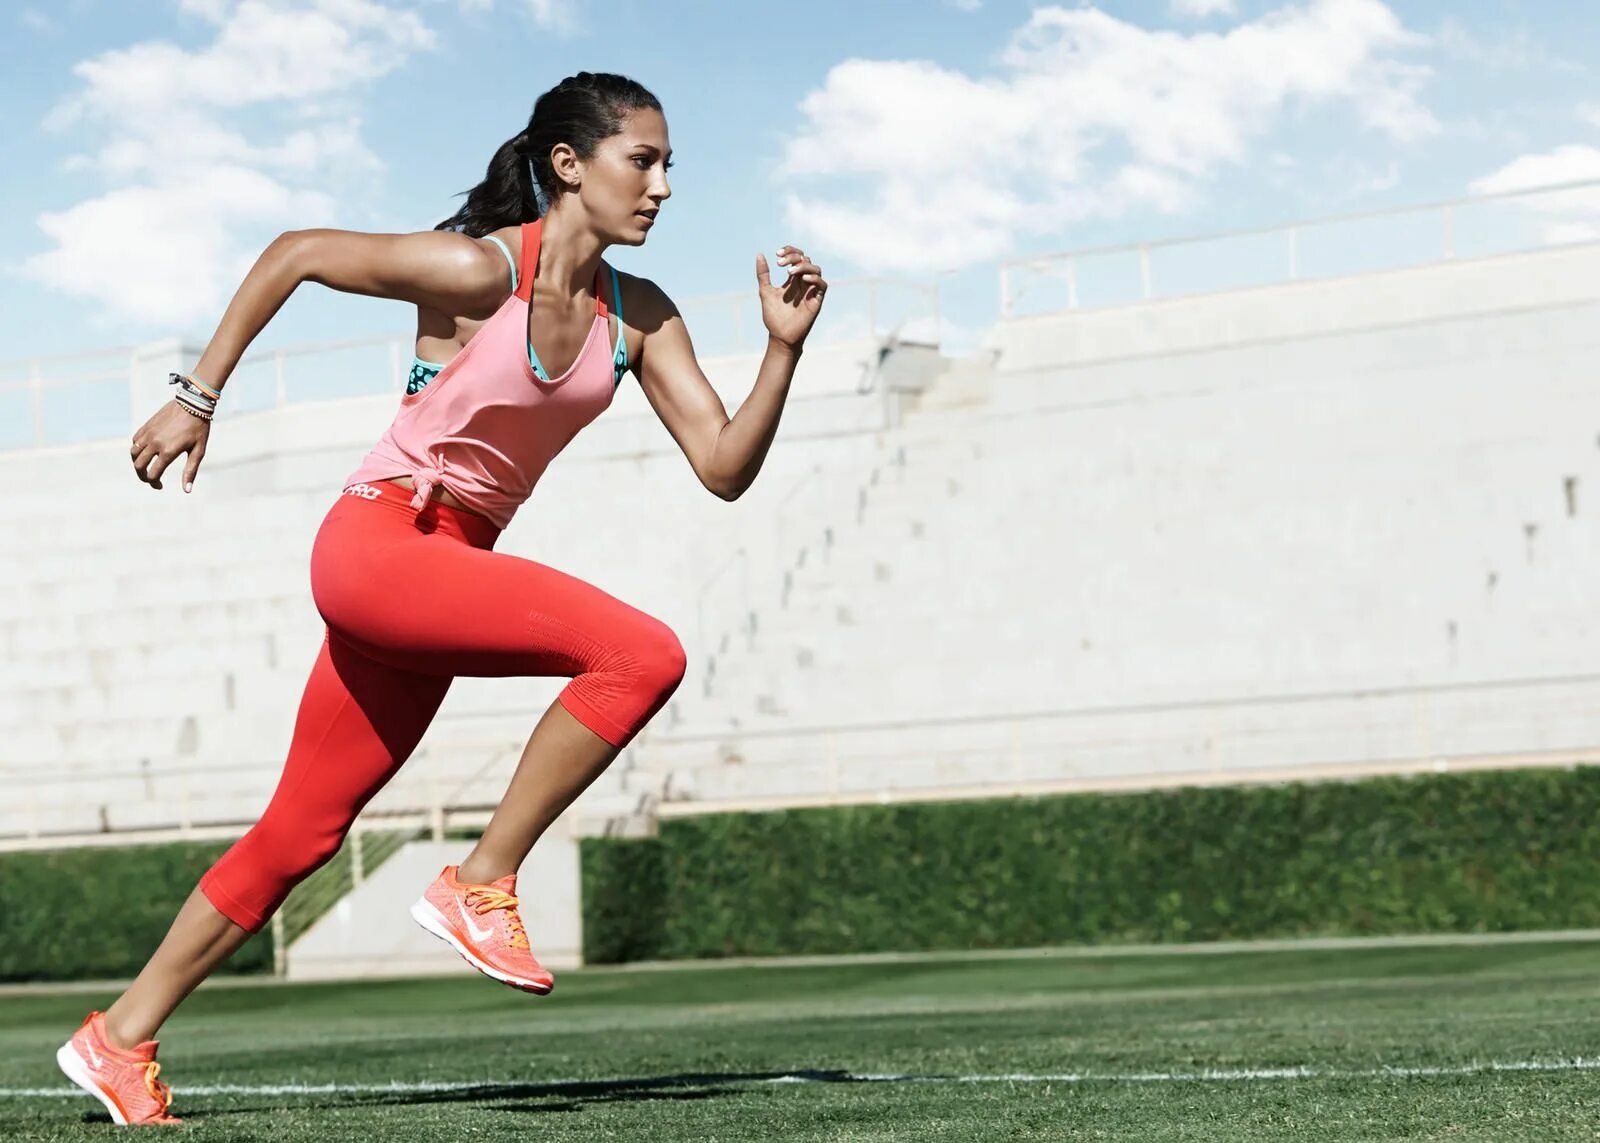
480,268
645,305
510,236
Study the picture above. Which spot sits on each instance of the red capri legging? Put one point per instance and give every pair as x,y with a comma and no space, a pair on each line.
411,601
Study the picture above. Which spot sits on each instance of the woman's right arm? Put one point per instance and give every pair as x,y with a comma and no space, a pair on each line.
441,269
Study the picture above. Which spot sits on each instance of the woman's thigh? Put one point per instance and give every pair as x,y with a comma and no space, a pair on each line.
435,604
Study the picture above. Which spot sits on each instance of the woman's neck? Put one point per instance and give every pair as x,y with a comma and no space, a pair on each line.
569,254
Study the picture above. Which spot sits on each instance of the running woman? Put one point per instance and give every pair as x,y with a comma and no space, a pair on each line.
523,335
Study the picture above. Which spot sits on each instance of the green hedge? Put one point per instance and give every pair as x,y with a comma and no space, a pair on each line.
98,913
1492,851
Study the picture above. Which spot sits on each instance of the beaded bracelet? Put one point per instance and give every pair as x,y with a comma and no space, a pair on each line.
195,397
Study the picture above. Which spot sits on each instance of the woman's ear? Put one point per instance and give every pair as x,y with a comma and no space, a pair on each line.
566,165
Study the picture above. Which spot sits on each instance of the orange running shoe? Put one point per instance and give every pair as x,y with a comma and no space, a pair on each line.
125,1081
481,923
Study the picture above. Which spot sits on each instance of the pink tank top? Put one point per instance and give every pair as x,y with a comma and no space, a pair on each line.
487,426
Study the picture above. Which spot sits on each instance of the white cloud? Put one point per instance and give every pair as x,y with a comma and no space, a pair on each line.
167,255
215,11
1200,9
265,52
926,167
1589,113
1574,214
965,5
1562,233
1508,50
1368,181
559,16
1572,163
212,151
556,15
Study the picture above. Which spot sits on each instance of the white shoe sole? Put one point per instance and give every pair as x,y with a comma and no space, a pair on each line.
68,1060
424,914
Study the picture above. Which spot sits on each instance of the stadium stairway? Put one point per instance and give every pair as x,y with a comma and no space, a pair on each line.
1162,544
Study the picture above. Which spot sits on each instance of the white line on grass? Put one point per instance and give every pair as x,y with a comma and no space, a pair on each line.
941,956
1209,1075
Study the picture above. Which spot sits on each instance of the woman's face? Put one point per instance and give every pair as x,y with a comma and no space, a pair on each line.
625,182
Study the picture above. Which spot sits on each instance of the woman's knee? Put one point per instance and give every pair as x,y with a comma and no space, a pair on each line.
664,658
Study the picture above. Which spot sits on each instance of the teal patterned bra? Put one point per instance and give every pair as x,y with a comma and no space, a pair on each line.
423,372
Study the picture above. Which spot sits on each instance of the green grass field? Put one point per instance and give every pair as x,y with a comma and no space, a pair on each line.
1484,1042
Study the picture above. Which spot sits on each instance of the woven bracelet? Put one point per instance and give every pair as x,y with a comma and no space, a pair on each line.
195,396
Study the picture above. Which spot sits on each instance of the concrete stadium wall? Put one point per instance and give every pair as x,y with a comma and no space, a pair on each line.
155,644
1333,527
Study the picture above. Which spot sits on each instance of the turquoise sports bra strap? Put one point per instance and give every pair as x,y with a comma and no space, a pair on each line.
504,249
619,359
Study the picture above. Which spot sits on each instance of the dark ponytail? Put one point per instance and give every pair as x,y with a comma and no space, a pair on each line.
580,111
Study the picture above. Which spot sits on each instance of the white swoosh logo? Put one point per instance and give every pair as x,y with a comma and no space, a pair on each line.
94,1056
477,933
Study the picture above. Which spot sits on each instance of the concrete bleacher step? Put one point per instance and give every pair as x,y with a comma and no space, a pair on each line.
246,581
188,623
248,734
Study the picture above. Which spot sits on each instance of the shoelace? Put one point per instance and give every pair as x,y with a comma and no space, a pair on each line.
158,1090
486,900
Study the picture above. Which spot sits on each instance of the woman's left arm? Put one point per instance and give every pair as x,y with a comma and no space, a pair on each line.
727,453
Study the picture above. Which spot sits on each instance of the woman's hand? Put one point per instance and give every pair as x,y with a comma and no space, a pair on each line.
165,437
791,309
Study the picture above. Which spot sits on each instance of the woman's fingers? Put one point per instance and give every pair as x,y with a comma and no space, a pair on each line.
195,455
146,454
152,462
804,276
802,279
157,467
150,466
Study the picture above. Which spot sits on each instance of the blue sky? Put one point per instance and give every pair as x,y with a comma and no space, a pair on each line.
157,146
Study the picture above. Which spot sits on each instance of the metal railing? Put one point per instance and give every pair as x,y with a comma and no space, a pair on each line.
363,851
1337,245
80,397
730,323
32,389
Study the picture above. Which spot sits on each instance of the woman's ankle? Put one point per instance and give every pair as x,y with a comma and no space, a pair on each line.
123,1033
482,869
